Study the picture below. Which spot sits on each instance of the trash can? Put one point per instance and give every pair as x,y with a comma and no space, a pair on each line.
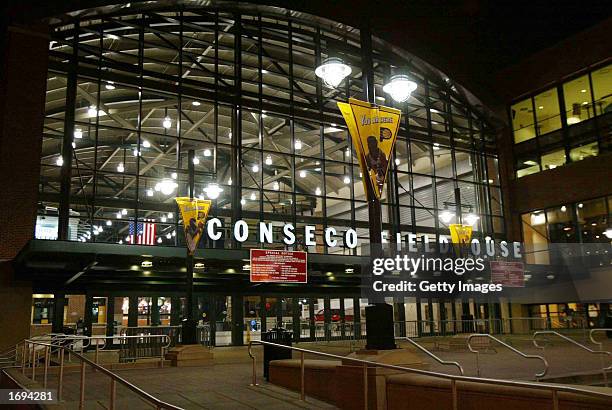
279,336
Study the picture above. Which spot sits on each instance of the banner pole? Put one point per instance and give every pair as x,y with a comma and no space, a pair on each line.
189,323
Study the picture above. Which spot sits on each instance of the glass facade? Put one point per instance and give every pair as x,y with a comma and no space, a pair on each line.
586,222
566,123
139,104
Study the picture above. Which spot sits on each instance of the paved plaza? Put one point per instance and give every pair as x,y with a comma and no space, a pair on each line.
226,384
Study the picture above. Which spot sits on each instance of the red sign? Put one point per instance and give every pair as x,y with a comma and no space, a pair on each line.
268,265
509,274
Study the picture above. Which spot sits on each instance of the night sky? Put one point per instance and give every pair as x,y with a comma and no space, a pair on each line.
472,38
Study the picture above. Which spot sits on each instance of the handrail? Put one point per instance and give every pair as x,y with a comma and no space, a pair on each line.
526,356
600,344
159,404
567,339
554,389
604,369
433,356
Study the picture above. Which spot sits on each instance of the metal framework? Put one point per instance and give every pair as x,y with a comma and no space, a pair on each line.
238,88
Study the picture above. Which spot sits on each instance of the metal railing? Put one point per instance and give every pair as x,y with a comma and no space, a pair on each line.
433,356
524,355
30,345
604,368
131,348
554,389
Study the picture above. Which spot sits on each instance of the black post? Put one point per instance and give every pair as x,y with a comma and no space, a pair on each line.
379,316
68,138
87,319
189,325
110,315
58,312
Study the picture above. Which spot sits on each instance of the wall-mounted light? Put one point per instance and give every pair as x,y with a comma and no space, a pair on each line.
446,216
332,71
213,191
471,219
400,87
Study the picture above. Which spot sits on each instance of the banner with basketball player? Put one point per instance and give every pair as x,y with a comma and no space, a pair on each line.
194,213
373,130
460,234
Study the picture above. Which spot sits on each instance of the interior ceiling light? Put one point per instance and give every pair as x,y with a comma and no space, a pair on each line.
268,160
195,103
108,222
120,167
302,174
242,201
446,216
110,85
149,192
119,215
276,186
318,191
298,144
347,179
59,161
159,239
166,186
400,87
471,219
255,168
253,197
167,123
608,233
146,264
146,144
174,175
213,191
78,133
332,71
196,160
207,152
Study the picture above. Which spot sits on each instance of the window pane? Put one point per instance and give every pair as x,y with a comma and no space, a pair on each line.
553,159
522,121
547,111
577,94
602,89
584,151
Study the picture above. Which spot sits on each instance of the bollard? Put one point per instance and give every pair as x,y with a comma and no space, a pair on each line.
302,381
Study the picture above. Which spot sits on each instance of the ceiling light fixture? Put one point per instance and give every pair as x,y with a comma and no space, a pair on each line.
167,123
78,133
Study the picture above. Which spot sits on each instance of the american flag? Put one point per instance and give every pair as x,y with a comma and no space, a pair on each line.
145,233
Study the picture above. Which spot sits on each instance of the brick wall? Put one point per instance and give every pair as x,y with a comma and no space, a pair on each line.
22,99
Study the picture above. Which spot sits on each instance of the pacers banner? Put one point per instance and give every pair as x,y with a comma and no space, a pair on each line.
194,213
460,234
373,130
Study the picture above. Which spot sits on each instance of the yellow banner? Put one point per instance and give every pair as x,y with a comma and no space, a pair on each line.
194,213
373,130
460,234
